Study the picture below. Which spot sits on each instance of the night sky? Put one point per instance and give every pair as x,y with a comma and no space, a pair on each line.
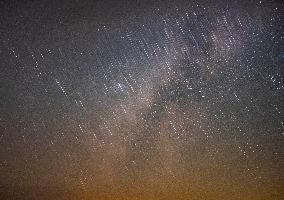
142,100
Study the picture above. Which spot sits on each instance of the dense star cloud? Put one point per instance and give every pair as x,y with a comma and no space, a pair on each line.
141,100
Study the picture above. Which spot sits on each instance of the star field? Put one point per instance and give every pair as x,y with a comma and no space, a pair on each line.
141,100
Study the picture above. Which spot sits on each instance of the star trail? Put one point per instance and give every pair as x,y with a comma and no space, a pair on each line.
141,100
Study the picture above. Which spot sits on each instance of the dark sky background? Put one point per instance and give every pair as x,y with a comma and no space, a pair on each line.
141,100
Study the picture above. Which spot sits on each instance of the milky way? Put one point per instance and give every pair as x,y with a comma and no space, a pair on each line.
141,100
